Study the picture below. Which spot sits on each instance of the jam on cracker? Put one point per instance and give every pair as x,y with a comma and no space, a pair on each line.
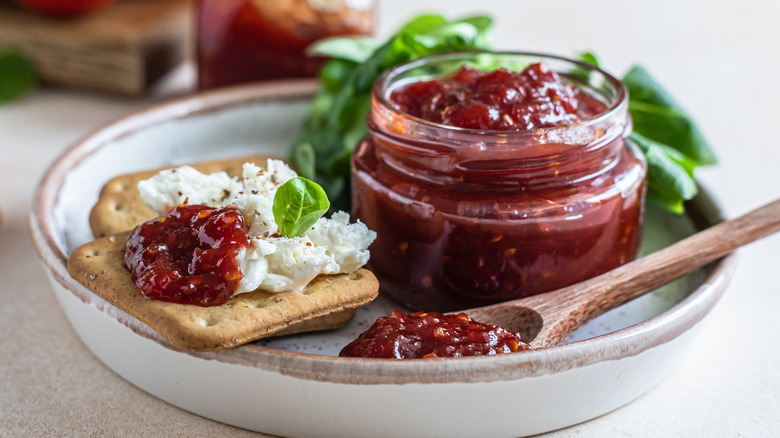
188,255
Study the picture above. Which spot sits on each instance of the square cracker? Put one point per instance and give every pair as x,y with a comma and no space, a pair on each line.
120,209
244,318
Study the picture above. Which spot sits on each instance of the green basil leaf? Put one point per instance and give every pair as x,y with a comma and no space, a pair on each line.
455,34
355,126
678,157
423,23
657,116
298,204
354,49
304,157
668,181
643,88
673,128
666,201
17,75
667,136
589,58
685,162
481,22
335,73
664,170
341,164
583,73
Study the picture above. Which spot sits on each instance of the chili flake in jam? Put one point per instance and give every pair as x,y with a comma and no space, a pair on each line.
188,255
432,334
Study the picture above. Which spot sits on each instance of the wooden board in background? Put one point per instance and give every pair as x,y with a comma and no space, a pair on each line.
123,48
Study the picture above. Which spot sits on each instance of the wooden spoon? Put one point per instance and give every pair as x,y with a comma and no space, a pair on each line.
546,320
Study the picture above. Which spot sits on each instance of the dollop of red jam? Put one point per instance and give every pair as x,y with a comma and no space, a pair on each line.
431,334
188,256
500,100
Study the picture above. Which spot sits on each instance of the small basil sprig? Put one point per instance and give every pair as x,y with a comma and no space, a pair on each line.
337,117
298,204
17,75
658,117
672,144
582,72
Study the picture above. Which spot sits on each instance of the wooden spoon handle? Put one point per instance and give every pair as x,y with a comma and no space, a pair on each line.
571,307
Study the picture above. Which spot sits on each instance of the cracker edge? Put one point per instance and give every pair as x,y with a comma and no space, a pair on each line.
175,331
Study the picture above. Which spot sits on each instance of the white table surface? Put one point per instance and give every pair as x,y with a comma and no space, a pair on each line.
719,59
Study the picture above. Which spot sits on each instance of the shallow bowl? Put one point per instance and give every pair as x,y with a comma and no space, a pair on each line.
295,386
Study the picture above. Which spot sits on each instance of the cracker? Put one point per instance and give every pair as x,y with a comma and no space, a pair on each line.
119,207
244,318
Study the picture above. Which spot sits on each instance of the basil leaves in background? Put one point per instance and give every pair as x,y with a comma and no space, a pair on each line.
582,72
668,137
336,121
657,116
17,75
298,204
673,145
669,174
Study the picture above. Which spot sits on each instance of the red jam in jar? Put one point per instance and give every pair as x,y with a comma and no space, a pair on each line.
252,40
473,210
188,256
431,334
500,100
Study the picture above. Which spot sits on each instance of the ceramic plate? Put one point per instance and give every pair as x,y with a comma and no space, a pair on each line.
295,386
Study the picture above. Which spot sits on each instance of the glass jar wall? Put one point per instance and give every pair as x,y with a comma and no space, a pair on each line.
468,217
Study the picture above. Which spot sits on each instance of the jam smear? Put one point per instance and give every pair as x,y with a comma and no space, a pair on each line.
500,100
188,256
432,334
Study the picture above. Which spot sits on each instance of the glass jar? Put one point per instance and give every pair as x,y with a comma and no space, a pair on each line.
467,218
250,40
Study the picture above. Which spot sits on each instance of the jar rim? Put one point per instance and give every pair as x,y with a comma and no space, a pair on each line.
618,105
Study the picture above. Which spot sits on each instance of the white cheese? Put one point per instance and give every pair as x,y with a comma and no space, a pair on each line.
172,187
273,264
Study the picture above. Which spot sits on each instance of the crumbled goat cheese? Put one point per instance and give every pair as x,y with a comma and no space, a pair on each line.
270,263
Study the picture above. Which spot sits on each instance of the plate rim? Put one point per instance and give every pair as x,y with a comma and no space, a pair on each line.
615,345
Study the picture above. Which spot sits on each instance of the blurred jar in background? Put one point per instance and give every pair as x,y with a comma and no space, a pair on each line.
251,40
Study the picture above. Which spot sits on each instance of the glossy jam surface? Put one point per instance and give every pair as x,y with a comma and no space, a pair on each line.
500,100
251,40
431,334
188,256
